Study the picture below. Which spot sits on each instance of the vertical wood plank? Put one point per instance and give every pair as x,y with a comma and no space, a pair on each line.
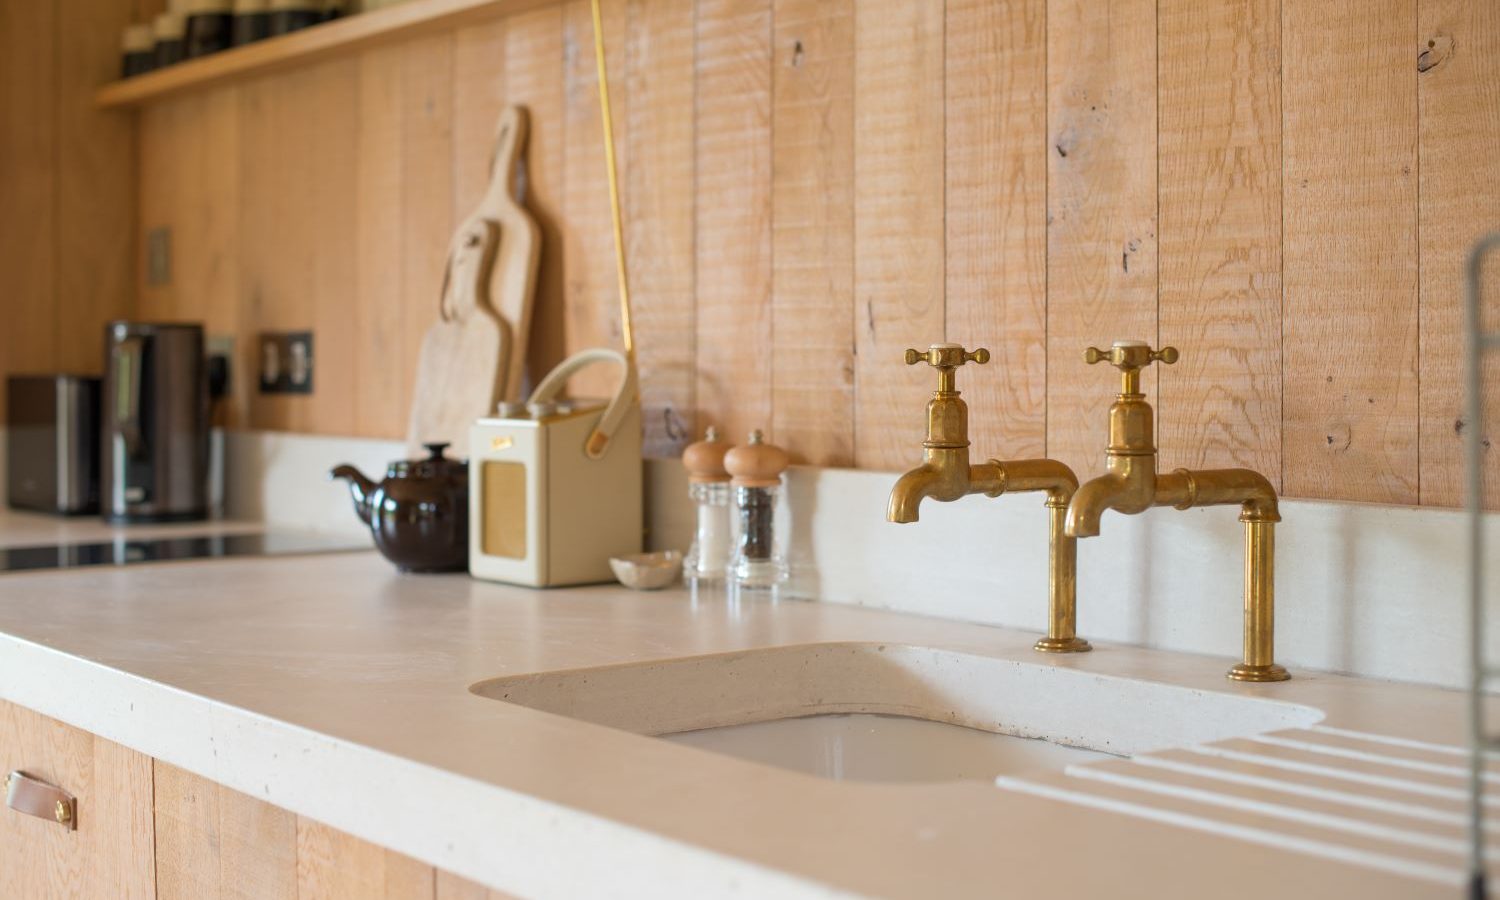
898,222
1101,207
533,78
426,191
732,212
381,338
186,820
996,221
659,221
95,185
592,294
478,99
812,230
1350,254
123,845
332,865
1220,209
28,179
1459,93
213,842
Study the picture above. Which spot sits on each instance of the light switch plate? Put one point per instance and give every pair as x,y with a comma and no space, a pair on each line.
286,362
159,257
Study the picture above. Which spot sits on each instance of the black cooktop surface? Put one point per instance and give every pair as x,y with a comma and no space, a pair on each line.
127,552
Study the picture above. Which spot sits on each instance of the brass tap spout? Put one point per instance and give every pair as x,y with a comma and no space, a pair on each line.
946,475
1132,485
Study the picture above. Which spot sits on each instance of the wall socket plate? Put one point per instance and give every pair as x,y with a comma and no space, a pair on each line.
286,362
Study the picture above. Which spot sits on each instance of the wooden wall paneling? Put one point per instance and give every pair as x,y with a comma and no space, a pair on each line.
533,78
478,99
732,150
95,184
213,842
199,207
1101,211
28,178
898,223
332,865
275,175
1459,99
996,217
1220,227
591,292
381,338
657,179
812,230
109,857
426,193
157,186
1350,255
333,128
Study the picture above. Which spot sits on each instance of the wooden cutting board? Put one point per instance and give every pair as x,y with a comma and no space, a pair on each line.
472,357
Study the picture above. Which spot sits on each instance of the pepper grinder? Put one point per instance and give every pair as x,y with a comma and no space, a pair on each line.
709,487
756,467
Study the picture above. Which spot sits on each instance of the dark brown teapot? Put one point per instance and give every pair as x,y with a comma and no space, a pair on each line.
419,515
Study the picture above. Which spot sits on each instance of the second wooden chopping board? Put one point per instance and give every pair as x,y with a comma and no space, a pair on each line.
472,357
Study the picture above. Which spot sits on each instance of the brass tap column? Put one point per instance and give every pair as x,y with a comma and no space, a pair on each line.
1131,485
1259,657
945,475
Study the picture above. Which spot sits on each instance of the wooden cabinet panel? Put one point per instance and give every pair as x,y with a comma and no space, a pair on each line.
109,856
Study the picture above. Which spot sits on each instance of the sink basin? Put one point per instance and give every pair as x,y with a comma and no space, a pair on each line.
866,747
891,712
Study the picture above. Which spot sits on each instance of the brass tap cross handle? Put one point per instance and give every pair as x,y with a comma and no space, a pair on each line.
1130,357
946,358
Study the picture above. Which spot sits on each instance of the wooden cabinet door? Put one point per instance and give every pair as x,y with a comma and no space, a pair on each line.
110,855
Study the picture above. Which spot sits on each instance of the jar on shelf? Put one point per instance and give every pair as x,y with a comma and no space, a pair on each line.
169,29
209,27
288,16
137,50
252,22
759,556
709,487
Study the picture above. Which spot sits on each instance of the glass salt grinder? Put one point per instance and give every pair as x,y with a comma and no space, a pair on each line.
756,467
708,486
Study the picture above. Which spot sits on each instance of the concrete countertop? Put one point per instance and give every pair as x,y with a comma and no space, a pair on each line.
337,688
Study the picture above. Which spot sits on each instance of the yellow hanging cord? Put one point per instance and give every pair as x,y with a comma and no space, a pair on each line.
614,187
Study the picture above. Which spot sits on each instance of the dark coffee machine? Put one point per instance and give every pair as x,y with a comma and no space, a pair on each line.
155,446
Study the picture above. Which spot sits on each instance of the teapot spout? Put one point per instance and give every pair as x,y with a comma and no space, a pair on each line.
360,488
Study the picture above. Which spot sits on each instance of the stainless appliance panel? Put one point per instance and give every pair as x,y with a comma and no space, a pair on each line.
155,445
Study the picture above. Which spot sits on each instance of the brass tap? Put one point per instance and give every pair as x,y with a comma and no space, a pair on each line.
945,475
1132,485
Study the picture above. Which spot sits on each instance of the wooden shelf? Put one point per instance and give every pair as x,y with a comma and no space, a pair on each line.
404,20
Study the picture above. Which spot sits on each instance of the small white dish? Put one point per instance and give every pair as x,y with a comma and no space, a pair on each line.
647,571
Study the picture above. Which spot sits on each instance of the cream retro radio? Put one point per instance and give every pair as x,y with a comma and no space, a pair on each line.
555,489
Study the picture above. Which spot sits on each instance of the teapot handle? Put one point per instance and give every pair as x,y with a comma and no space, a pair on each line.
625,394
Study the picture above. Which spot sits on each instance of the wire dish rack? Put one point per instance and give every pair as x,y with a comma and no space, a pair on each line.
1481,741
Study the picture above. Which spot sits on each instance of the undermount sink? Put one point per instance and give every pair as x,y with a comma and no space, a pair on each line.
890,712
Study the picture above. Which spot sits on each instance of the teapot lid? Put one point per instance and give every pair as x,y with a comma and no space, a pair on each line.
434,466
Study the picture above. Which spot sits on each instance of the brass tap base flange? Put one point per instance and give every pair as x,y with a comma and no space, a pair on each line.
1272,672
1062,645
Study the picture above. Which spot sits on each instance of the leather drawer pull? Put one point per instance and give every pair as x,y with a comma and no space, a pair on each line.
25,794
